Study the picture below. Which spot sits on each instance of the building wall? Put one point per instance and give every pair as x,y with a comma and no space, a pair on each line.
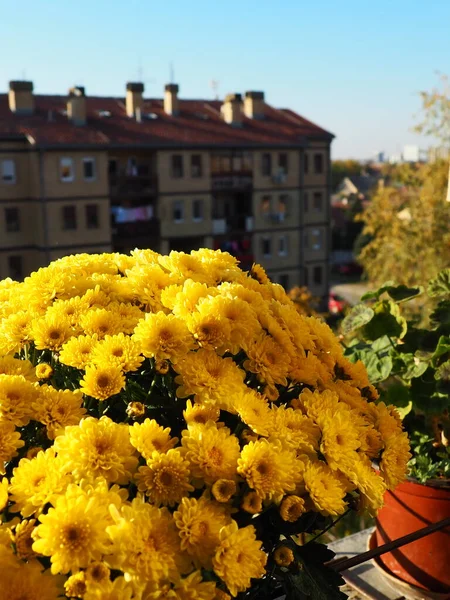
169,184
188,226
55,188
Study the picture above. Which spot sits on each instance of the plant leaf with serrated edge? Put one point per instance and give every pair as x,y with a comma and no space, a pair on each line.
440,285
359,316
441,313
401,293
387,320
375,294
443,347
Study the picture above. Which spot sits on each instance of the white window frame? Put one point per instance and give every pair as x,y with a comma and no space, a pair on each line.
317,239
180,204
66,161
201,204
92,160
263,240
12,171
283,248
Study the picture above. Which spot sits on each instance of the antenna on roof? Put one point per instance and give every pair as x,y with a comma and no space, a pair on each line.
214,85
171,74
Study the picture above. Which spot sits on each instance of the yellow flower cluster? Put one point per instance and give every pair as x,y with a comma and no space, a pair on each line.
155,411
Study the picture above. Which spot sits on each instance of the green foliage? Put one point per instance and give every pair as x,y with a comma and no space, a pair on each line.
410,366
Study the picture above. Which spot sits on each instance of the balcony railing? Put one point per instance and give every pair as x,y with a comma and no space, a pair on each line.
138,229
233,180
133,185
232,224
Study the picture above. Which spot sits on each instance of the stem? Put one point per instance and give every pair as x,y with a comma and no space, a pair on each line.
330,526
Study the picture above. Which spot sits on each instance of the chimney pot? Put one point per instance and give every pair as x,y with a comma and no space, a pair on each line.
76,105
231,110
254,105
134,100
20,96
171,102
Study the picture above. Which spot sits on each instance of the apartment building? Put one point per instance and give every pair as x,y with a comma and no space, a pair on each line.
95,174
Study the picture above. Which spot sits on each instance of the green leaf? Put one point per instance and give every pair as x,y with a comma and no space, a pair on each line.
378,362
400,293
441,313
357,317
443,347
399,395
443,372
387,320
375,294
440,285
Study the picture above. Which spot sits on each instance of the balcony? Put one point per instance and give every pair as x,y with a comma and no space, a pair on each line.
232,224
121,186
232,180
141,234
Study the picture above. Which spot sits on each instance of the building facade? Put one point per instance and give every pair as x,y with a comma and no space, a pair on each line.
92,174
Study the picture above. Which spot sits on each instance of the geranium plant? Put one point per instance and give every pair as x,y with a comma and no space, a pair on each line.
410,365
169,425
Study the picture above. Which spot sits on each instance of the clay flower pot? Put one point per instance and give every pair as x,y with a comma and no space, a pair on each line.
424,563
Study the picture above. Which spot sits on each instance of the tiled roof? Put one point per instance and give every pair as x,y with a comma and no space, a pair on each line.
198,123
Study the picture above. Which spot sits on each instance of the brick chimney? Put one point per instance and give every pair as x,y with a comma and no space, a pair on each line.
134,100
254,105
231,110
171,102
20,96
76,105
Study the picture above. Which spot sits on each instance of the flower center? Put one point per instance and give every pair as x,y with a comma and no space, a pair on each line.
118,352
103,381
54,334
215,456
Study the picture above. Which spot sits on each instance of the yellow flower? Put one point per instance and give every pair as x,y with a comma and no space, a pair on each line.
44,371
370,484
283,556
394,460
267,359
163,337
240,317
200,414
36,482
13,366
23,539
162,367
75,586
220,595
28,580
50,331
296,430
70,309
185,266
252,503
258,273
315,404
15,331
326,490
101,381
386,419
135,410
97,448
120,350
119,589
292,508
340,438
97,574
146,283
193,587
16,397
10,442
209,327
128,314
165,478
212,452
223,489
100,321
77,352
268,468
3,494
147,546
73,533
254,411
183,299
148,436
199,523
58,408
239,558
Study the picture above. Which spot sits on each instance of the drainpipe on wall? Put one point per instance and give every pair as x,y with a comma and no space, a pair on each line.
43,201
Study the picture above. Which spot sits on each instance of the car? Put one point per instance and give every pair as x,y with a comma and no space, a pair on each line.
336,304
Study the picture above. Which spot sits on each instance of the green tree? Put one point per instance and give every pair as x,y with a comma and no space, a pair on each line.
343,168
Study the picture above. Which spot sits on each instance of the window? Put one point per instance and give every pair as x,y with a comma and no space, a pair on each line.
66,172
196,165
318,201
177,166
132,169
15,266
92,220
197,210
305,202
284,281
69,214
306,163
112,166
266,247
283,202
317,275
282,245
89,169
267,164
316,236
12,219
178,211
265,205
8,171
283,163
318,163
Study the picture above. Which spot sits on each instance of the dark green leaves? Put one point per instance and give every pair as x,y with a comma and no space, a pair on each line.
398,293
357,317
440,285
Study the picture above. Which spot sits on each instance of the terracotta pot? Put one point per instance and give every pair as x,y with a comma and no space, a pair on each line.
426,562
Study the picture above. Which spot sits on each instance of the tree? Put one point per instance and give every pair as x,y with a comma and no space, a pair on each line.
343,168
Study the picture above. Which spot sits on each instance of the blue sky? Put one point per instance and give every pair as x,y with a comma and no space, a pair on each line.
353,67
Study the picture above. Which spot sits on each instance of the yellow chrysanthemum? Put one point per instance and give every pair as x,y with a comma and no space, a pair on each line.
97,448
103,380
14,366
163,337
185,266
3,493
258,273
100,321
23,539
15,331
370,484
292,508
200,414
146,283
146,541
75,586
128,314
283,556
223,489
97,575
254,411
28,580
386,419
70,309
268,468
37,481
325,489
199,523
10,442
340,439
267,359
58,408
16,397
148,436
193,587
394,460
240,318
296,430
135,410
77,351
50,332
209,327
73,533
44,371
239,558
252,503
165,478
119,589
120,350
212,452
183,300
